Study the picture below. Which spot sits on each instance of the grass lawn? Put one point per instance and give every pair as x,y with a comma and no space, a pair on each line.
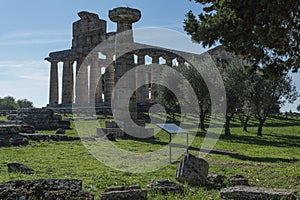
272,160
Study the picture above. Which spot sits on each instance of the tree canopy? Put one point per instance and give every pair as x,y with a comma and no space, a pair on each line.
265,32
9,103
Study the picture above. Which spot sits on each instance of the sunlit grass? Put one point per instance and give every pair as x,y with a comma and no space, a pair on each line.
272,160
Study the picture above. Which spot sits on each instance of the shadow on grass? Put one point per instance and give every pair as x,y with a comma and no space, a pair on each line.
262,159
273,140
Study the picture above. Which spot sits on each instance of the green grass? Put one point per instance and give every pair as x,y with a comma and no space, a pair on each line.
272,160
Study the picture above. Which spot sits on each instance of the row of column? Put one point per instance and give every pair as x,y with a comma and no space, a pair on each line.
152,76
85,92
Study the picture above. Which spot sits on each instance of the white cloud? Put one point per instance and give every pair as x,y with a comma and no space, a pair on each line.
34,37
25,79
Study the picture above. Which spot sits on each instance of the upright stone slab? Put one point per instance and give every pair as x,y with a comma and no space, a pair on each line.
192,170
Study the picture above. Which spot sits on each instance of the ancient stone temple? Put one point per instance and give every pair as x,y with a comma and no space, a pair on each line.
81,82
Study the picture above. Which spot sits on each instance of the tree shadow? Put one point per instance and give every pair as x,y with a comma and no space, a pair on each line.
280,141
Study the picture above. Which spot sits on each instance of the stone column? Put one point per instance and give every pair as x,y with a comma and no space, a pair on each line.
141,77
53,92
81,89
124,17
95,94
180,61
109,79
154,79
147,86
169,61
67,82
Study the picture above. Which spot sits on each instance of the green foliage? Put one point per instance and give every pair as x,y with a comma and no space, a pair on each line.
266,32
24,103
9,103
298,108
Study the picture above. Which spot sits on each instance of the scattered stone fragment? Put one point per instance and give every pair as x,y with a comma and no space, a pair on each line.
216,179
256,193
124,193
166,186
237,179
192,170
18,141
60,131
19,167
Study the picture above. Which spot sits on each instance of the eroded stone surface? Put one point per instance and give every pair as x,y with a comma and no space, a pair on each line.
42,119
46,189
19,167
256,193
216,179
192,170
124,193
237,179
165,186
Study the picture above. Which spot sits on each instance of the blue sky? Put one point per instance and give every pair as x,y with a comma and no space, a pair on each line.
30,29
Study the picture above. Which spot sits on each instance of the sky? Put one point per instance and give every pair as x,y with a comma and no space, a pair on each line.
30,29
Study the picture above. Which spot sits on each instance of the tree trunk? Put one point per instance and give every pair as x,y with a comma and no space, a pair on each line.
227,126
245,124
260,126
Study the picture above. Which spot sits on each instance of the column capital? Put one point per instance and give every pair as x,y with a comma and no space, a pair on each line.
51,60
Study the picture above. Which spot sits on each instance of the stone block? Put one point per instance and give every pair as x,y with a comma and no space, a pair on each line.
19,167
192,170
216,179
166,186
237,179
124,193
256,193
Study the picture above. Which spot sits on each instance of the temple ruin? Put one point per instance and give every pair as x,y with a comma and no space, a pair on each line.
88,32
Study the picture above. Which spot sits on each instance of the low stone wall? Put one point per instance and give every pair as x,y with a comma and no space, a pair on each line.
46,137
46,189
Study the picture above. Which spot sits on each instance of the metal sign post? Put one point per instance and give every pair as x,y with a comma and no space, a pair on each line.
174,129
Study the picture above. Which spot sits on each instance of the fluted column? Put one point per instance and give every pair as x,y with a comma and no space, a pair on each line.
109,79
81,89
53,93
124,17
169,61
67,82
141,75
154,80
180,61
95,94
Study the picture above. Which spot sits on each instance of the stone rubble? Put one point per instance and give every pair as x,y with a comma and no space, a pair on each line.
46,189
237,179
166,186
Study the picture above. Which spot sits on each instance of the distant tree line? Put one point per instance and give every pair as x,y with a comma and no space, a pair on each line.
248,94
9,103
